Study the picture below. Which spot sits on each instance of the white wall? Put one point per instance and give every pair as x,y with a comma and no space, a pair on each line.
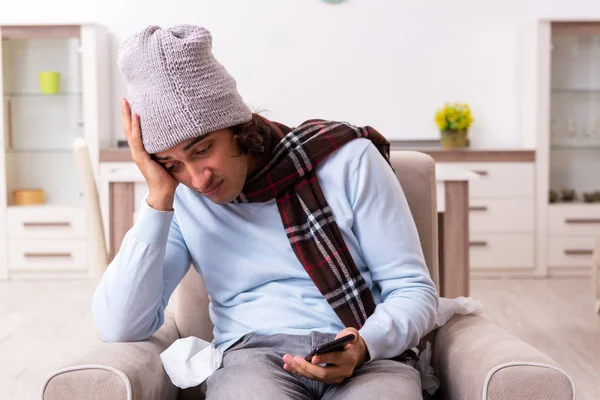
387,63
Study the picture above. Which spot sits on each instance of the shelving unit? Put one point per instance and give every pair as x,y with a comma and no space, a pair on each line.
38,129
575,110
561,116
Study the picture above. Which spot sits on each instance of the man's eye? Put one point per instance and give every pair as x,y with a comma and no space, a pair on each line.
204,150
172,167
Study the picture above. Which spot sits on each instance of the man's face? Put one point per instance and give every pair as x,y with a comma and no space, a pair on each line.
211,165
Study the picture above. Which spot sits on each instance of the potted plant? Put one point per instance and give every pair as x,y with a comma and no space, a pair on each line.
454,120
568,195
589,197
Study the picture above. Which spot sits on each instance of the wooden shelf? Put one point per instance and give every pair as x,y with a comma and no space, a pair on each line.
19,32
114,154
477,155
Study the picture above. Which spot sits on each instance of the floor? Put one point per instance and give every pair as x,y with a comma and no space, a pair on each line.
556,316
43,325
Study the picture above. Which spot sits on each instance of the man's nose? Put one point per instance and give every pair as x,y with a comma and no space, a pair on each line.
201,179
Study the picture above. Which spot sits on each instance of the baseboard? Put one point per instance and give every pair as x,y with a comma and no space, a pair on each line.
570,272
49,275
504,273
521,273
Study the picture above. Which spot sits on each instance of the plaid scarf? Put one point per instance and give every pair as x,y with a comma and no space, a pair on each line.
315,237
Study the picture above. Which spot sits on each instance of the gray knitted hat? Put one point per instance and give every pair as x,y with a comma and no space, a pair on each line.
177,87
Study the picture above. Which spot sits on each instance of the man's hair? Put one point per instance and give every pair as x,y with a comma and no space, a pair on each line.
253,136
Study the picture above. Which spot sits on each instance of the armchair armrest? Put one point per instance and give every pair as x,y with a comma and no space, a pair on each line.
475,359
117,371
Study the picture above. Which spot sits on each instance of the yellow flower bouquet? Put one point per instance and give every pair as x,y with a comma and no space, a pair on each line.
454,120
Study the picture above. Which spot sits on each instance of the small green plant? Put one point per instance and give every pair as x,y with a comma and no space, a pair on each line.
589,197
568,195
454,117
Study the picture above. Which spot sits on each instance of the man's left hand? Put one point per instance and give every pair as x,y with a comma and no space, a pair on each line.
340,364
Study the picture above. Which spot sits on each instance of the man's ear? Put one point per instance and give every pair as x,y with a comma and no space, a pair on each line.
242,148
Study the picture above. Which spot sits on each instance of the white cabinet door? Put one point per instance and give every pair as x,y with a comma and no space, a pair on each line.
47,255
512,250
574,219
501,216
46,222
501,179
576,251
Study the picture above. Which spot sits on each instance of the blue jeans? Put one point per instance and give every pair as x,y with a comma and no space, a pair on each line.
253,369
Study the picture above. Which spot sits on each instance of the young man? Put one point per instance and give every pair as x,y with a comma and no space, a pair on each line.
300,235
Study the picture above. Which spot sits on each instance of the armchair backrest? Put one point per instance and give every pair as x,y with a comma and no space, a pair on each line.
98,254
416,173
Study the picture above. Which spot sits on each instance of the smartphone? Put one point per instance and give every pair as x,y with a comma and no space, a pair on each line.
335,345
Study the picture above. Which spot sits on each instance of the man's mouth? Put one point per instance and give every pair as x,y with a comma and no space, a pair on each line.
212,189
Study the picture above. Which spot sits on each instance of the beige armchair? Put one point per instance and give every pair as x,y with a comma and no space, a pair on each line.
473,358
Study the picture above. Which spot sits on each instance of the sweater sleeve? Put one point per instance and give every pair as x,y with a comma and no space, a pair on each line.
130,300
391,248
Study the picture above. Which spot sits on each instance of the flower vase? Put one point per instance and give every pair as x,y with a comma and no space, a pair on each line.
454,139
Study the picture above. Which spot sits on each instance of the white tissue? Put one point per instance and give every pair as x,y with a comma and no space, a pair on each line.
446,309
429,382
189,361
460,305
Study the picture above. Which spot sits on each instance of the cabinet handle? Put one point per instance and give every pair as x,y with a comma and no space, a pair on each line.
45,224
582,221
480,172
478,208
576,252
46,255
481,243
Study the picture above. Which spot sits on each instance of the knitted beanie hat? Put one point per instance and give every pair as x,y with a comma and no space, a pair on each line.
177,87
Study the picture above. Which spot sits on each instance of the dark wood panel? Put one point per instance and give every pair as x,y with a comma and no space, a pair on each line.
115,155
576,28
455,243
121,198
480,155
40,31
439,155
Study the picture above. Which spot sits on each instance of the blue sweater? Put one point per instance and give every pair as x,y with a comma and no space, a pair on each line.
254,279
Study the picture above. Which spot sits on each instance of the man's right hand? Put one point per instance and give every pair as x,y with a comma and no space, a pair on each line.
161,184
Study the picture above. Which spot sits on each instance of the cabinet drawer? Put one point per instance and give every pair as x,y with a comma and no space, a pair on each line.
39,254
45,222
564,251
574,219
501,250
486,215
501,179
